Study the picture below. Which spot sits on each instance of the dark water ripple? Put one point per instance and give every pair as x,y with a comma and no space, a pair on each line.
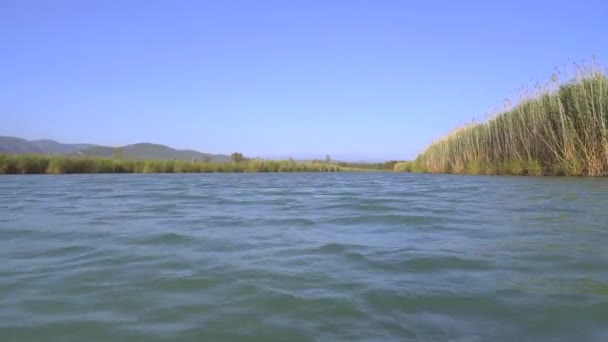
303,257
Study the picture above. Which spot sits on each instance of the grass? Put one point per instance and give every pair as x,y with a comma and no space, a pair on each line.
403,167
386,166
43,164
558,129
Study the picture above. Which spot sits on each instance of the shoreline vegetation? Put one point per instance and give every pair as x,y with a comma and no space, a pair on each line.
556,129
560,129
49,164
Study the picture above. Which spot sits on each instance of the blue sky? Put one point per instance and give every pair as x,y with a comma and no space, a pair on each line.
371,80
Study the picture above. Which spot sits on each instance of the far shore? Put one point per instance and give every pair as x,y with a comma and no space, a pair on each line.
45,164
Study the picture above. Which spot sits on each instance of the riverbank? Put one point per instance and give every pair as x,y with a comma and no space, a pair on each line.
559,130
42,164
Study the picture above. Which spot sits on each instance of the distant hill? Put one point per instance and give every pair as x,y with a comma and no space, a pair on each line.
149,151
143,151
12,145
53,147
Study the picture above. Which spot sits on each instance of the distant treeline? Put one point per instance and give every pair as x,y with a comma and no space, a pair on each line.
43,164
560,129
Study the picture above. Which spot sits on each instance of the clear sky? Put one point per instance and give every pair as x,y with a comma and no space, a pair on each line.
354,79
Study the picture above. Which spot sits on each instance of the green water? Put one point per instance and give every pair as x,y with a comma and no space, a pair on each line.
303,257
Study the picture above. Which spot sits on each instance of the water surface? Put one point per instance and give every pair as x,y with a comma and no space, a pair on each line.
303,257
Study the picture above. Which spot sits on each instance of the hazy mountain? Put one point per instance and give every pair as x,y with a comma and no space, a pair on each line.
151,152
12,145
53,147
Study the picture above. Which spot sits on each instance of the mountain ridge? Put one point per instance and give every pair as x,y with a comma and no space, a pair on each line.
141,151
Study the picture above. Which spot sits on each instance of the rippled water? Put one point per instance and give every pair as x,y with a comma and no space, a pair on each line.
365,256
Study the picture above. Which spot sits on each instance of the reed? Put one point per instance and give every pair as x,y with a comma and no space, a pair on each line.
44,164
403,167
558,129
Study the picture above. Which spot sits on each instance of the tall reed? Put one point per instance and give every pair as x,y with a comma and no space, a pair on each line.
559,129
38,164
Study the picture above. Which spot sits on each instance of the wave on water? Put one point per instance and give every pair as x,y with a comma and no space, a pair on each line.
369,256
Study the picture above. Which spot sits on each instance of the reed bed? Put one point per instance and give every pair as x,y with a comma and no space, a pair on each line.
557,129
43,164
403,167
